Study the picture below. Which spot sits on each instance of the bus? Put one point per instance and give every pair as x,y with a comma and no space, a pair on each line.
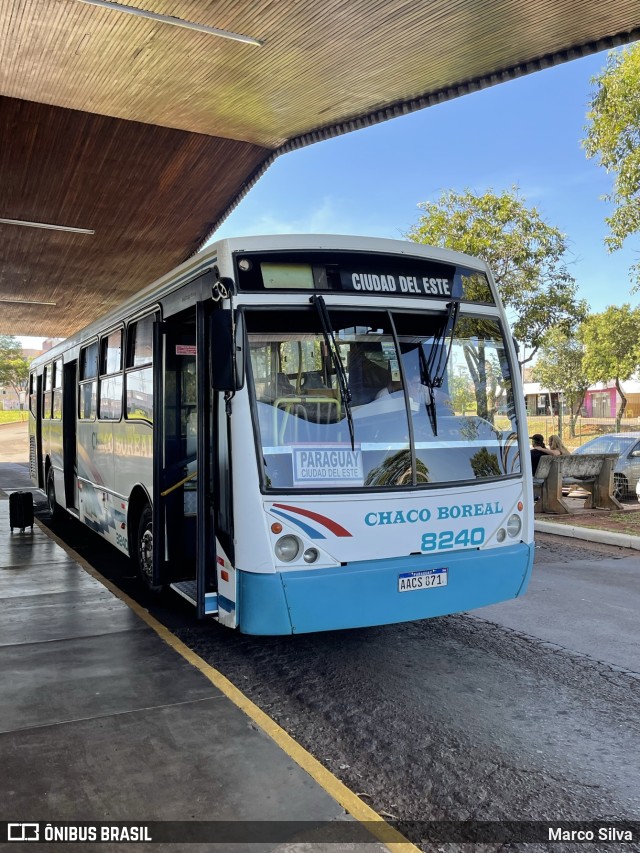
299,434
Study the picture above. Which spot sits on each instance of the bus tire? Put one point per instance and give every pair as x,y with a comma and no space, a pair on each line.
52,503
143,554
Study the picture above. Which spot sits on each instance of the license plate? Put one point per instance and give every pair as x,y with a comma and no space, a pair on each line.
428,579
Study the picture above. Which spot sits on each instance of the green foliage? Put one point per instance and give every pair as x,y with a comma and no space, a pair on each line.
14,369
560,368
462,392
397,470
527,256
485,464
612,347
9,350
612,343
12,417
613,136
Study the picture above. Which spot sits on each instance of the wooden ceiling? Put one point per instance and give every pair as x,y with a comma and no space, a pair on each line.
148,134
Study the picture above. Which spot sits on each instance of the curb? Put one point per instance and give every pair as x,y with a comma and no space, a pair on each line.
604,537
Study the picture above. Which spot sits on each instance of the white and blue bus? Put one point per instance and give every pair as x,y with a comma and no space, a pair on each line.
299,433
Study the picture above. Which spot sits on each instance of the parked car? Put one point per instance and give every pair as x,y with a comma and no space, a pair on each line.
626,473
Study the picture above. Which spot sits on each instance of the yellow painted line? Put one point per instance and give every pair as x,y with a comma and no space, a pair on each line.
344,796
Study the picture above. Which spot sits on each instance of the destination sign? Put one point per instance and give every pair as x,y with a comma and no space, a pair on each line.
418,285
326,465
366,273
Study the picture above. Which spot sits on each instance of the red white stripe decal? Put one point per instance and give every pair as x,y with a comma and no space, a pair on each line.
331,525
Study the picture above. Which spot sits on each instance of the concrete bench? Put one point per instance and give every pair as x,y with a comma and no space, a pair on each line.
592,472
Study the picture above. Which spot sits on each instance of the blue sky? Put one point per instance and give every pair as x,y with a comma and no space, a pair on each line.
526,132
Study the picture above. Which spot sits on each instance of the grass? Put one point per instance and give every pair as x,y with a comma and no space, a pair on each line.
616,522
13,417
630,521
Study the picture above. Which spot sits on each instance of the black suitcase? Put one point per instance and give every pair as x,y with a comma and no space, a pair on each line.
21,510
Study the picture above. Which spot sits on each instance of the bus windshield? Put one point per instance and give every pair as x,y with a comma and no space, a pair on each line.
387,400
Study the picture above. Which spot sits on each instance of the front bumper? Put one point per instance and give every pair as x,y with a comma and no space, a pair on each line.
365,593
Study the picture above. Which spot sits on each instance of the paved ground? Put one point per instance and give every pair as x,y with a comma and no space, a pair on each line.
527,710
102,720
518,712
14,442
588,605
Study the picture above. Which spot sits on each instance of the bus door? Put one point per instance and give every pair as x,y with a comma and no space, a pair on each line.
182,503
69,437
38,413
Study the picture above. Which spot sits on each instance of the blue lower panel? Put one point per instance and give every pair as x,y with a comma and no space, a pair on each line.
366,593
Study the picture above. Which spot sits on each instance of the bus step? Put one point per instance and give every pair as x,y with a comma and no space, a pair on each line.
188,590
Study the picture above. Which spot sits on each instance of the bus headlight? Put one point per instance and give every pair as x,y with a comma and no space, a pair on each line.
501,535
311,555
287,548
514,525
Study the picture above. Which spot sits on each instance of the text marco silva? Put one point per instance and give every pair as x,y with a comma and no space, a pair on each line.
602,833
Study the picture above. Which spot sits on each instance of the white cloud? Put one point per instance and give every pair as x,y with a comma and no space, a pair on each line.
325,218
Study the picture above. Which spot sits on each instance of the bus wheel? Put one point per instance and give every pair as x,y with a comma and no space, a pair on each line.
54,509
144,548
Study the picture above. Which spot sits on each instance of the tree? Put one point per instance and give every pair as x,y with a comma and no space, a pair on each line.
461,391
14,369
613,136
485,464
19,377
397,470
9,349
526,255
612,348
560,368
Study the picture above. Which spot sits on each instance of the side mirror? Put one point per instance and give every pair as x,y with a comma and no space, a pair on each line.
226,334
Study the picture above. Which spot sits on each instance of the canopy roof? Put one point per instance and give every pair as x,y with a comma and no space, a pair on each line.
147,134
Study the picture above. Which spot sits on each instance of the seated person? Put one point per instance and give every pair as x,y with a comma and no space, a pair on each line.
556,446
538,450
369,372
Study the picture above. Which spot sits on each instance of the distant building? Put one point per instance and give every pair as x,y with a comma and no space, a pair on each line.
31,353
540,401
49,343
601,400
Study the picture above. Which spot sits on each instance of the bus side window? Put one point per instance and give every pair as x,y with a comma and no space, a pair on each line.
47,393
57,390
33,402
110,402
87,398
139,370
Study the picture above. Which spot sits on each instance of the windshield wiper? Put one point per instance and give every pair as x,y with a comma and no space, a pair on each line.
426,381
433,369
345,393
439,355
